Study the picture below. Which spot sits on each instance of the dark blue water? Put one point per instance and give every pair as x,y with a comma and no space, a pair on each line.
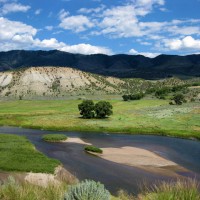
115,176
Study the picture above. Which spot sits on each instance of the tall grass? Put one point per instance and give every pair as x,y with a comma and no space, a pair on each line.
180,190
12,190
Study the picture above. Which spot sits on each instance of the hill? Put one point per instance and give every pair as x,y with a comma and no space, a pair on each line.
60,81
122,66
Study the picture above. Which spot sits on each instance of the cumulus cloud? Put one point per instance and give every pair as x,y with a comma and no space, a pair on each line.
17,35
146,54
8,29
14,7
186,43
76,23
92,10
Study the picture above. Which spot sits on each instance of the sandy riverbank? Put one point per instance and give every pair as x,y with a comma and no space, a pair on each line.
136,157
133,156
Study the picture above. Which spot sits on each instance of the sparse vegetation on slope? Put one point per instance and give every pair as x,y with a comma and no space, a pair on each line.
46,82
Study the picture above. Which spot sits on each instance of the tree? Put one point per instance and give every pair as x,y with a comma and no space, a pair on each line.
178,99
103,109
125,97
86,109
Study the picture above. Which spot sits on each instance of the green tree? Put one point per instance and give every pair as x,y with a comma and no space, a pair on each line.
103,109
125,97
178,99
86,109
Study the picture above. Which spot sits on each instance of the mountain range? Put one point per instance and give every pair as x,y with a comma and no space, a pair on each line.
121,65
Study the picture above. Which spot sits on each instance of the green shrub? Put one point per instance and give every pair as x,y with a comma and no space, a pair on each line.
103,109
86,109
93,149
87,190
54,137
178,99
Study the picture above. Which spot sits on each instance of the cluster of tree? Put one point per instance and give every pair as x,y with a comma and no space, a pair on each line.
88,109
130,97
162,92
177,99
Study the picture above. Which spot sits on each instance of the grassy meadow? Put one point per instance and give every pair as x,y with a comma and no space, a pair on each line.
146,116
18,154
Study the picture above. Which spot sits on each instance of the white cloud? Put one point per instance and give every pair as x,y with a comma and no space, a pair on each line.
146,54
92,10
79,48
124,21
62,14
187,43
14,7
38,11
8,29
76,23
17,35
120,21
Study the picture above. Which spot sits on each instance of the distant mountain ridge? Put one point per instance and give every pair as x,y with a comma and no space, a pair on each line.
121,65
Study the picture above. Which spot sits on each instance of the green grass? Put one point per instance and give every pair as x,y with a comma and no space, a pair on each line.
54,137
12,190
18,154
93,149
180,190
143,116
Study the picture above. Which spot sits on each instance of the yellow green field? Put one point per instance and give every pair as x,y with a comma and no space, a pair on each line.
143,116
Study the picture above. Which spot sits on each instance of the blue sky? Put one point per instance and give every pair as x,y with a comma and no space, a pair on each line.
146,27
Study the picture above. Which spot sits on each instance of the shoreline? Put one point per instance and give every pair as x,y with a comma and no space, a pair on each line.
97,131
40,179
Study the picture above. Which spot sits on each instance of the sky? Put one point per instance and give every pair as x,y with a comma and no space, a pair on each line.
146,27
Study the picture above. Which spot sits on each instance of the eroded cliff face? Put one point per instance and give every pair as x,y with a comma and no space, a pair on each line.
55,81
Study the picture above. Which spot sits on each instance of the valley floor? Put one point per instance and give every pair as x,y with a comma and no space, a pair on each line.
144,116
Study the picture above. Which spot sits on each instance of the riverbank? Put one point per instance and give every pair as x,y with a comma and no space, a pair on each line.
136,157
153,116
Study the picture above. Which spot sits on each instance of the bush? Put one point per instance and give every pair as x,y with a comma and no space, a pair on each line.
93,149
86,109
137,96
125,97
178,99
87,190
54,137
103,109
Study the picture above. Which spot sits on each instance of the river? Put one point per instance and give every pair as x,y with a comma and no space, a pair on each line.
185,153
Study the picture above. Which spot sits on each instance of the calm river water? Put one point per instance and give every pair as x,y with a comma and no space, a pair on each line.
115,176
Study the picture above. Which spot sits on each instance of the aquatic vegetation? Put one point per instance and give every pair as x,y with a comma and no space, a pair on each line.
93,149
54,137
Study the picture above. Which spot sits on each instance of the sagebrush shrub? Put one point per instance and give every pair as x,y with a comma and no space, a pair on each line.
87,190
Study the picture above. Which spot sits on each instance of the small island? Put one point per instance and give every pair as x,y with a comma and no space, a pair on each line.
54,137
93,149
